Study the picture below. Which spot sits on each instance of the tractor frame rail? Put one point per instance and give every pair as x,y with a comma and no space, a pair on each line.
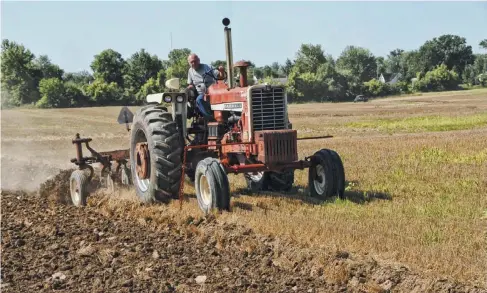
236,169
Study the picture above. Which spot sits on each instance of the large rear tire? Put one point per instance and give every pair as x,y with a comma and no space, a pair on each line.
212,186
155,154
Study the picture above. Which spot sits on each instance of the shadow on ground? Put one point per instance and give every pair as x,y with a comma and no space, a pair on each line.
300,193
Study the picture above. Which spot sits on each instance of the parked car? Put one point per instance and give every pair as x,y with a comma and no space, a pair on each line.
360,98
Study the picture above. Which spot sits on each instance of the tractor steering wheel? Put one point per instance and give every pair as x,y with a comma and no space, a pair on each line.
210,73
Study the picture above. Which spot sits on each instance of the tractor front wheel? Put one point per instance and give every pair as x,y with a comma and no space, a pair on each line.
212,186
322,175
155,154
340,174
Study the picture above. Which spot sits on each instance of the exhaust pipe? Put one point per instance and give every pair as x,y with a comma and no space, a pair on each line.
229,52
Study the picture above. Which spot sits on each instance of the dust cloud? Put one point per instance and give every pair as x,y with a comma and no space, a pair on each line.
25,162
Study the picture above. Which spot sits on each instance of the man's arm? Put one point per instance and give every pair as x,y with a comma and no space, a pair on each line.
190,78
217,72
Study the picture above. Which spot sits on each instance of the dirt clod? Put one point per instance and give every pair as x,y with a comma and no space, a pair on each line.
57,187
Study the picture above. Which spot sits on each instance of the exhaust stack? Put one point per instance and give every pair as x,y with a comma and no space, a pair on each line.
229,52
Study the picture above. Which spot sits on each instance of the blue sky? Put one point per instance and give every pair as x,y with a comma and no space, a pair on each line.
71,33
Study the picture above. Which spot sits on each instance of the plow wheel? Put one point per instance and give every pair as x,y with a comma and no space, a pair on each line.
110,183
124,173
155,154
120,177
326,178
211,185
78,187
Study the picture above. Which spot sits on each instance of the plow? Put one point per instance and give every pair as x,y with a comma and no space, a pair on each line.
249,133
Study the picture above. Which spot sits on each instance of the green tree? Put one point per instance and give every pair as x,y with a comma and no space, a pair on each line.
438,79
74,94
258,73
469,76
393,61
410,65
46,69
152,86
218,63
480,64
450,50
102,93
18,80
483,44
482,79
79,78
268,71
109,66
309,57
141,67
178,65
286,68
358,64
53,94
381,66
376,88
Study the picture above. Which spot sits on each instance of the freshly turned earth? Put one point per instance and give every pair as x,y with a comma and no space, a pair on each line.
50,246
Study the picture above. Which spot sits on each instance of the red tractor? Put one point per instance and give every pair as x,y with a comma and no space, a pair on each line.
250,133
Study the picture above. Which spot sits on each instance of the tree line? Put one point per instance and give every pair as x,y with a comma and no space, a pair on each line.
443,63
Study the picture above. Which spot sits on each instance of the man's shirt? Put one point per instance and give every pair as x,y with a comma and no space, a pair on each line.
195,77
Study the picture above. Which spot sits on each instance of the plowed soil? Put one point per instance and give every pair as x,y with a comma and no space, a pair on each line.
48,245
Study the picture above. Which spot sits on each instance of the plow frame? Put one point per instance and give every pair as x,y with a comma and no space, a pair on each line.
105,159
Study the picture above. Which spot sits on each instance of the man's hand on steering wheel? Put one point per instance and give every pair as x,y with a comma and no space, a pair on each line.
222,74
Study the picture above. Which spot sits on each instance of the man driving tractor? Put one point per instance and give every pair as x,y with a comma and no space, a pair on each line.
201,76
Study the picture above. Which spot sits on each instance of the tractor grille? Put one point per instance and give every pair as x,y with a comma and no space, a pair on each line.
268,109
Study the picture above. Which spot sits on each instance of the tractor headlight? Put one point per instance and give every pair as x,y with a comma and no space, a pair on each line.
179,99
167,99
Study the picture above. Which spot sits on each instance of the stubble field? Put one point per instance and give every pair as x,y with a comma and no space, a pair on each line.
414,217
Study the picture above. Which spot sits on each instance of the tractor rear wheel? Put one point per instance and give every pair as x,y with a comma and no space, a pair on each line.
212,186
322,175
155,154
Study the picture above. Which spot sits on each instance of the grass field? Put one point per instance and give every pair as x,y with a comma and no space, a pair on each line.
416,170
